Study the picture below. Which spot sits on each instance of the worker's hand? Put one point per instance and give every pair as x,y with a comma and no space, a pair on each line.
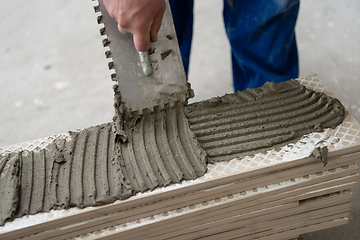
142,18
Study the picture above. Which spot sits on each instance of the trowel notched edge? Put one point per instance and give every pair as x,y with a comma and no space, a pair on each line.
167,82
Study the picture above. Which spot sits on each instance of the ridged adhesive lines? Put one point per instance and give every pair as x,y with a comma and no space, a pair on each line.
157,168
232,110
9,184
141,154
129,148
247,112
90,167
175,145
156,152
90,161
291,122
49,190
39,182
93,167
190,144
63,187
26,182
126,189
164,146
256,119
124,150
153,151
102,184
218,105
76,176
54,177
261,123
113,172
254,126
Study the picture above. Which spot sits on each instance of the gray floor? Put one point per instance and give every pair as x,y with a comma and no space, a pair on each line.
54,77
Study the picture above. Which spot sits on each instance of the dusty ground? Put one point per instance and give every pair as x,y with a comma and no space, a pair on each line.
54,77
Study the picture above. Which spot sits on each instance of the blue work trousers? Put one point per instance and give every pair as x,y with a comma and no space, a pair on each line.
261,34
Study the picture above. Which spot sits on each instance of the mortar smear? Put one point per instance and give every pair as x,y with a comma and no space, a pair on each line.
136,153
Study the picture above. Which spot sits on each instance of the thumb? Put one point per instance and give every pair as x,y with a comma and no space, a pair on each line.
142,42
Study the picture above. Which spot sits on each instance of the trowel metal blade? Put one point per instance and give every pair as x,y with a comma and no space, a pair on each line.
166,85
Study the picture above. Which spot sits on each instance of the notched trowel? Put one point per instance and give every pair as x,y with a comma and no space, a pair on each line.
150,79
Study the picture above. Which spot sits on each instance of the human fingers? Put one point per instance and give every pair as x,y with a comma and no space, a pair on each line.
142,42
156,25
122,30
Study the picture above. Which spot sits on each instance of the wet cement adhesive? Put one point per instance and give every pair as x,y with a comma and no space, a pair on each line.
321,153
257,120
93,167
136,153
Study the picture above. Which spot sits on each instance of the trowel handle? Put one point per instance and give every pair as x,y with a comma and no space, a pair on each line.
145,62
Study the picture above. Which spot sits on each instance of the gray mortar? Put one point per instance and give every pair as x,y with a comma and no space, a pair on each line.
256,120
321,153
137,153
95,166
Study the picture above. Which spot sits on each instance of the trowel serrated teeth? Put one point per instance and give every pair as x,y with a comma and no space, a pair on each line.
105,42
102,31
99,19
122,58
111,65
108,54
97,8
113,77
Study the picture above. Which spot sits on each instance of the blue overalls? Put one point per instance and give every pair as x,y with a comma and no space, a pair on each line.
261,35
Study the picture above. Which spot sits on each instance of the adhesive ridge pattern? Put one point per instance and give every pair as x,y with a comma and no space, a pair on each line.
93,166
246,122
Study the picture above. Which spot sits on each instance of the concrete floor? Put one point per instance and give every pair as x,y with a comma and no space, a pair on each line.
54,77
